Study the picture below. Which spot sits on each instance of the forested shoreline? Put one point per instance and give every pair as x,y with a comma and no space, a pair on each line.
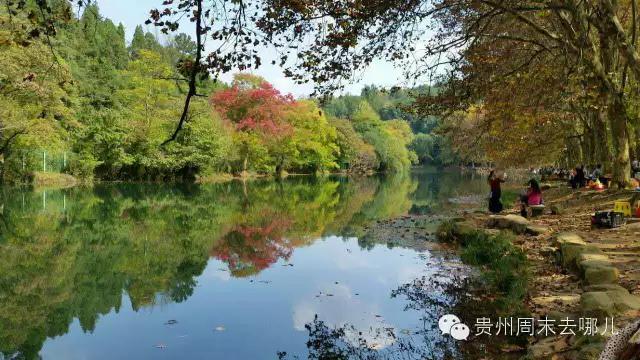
87,103
494,82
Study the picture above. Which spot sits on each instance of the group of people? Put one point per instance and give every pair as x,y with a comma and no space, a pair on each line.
531,197
580,176
551,173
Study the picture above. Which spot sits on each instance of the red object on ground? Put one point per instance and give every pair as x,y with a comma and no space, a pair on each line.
638,212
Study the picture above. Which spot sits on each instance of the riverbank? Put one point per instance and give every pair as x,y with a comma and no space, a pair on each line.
574,273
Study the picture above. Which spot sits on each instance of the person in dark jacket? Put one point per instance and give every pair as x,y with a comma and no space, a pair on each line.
579,180
495,203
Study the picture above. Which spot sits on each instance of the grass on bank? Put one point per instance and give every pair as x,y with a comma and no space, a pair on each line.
54,180
504,268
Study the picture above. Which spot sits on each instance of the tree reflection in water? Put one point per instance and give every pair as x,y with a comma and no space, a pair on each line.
72,254
248,250
429,298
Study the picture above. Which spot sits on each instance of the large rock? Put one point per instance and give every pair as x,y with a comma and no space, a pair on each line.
585,264
608,300
571,253
624,301
600,274
598,304
515,223
462,231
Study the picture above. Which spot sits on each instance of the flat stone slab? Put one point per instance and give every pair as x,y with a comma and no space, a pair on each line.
624,302
516,223
536,230
597,303
570,252
568,238
569,299
633,227
585,264
606,288
597,274
592,256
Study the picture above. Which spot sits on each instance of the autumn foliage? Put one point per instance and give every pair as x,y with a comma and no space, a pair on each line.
257,107
249,249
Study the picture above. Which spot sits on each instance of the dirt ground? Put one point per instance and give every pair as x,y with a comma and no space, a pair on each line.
555,290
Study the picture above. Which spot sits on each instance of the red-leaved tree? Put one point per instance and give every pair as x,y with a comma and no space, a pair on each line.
256,110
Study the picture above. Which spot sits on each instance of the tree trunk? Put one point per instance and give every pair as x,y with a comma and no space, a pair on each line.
602,150
637,132
245,164
638,142
621,163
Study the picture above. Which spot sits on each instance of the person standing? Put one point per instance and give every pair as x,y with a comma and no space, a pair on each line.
495,203
579,178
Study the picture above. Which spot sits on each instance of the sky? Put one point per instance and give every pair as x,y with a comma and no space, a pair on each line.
134,12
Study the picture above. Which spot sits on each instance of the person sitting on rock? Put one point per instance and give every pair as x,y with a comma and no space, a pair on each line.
532,197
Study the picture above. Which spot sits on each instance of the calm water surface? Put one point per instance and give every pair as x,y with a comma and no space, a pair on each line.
268,269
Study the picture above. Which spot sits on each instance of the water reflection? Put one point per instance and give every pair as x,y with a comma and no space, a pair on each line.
67,257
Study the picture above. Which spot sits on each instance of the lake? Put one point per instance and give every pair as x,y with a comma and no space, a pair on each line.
263,270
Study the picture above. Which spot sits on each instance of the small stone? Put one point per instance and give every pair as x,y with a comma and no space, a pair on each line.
556,209
515,223
548,250
547,347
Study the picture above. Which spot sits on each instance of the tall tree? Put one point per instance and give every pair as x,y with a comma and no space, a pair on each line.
591,38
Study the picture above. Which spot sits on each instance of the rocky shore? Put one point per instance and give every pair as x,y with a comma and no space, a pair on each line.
573,271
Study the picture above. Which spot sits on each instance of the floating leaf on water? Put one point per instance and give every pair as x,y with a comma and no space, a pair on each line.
160,346
171,322
220,328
